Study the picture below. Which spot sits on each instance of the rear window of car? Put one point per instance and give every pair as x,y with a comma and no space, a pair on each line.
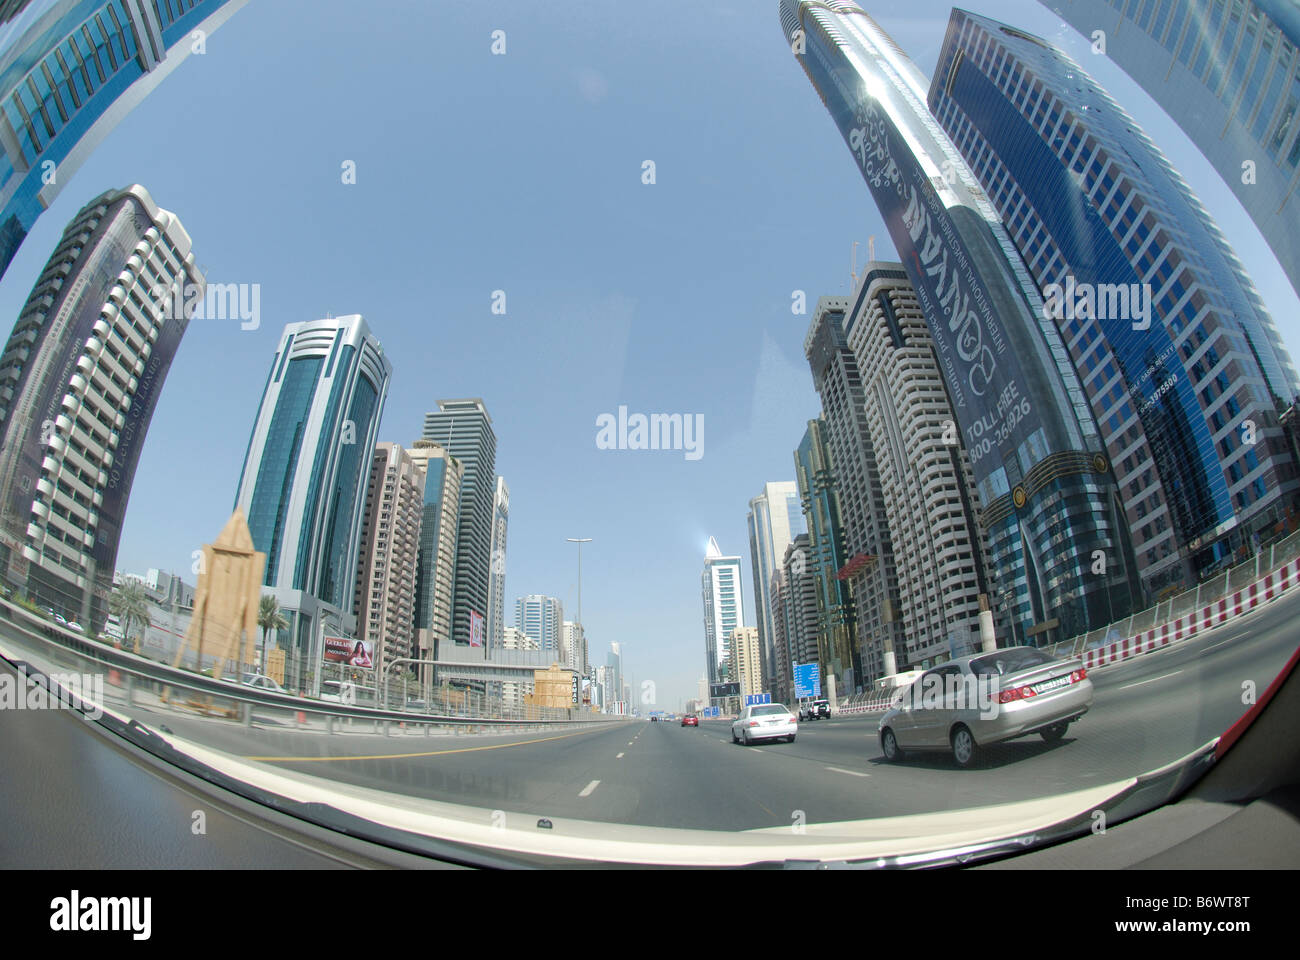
769,710
1008,661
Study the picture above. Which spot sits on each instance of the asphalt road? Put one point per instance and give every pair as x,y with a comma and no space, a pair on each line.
1148,713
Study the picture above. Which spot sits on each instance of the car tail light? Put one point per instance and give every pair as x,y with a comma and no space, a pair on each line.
1077,675
1016,693
752,723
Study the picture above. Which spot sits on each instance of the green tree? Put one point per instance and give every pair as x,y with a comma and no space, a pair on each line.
130,604
269,618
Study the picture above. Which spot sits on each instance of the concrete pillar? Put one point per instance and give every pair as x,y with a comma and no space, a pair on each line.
988,641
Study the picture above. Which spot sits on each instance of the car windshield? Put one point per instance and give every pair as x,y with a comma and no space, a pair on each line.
701,360
1009,661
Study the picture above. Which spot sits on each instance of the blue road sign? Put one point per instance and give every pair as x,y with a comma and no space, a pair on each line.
752,699
807,680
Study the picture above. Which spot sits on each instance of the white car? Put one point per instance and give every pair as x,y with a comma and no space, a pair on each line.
764,721
262,682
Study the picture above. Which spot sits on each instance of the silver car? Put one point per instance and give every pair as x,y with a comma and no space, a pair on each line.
969,703
764,721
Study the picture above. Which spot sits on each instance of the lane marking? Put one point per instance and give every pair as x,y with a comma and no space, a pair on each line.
1139,683
411,756
619,757
851,773
586,791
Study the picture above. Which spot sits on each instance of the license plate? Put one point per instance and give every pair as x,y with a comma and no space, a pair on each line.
1051,684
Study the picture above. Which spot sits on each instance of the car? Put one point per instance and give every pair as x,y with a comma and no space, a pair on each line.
73,625
966,704
262,682
654,719
815,710
764,721
690,720
334,691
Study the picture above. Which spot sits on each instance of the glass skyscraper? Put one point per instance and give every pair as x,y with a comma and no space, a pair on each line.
303,483
774,520
724,608
69,71
1183,367
1228,72
1043,479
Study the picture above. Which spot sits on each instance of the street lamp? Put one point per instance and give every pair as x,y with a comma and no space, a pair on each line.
579,541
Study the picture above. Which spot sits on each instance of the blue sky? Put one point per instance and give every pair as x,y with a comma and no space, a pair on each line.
523,173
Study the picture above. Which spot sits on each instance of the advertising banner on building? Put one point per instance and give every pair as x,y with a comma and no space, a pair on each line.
475,629
354,653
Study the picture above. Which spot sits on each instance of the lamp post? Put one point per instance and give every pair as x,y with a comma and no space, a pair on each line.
579,541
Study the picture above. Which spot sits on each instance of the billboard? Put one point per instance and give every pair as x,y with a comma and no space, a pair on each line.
719,690
354,653
475,629
807,680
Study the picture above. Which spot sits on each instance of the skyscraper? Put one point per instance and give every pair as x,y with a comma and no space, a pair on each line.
464,428
541,618
1228,73
1043,481
69,71
926,485
774,519
869,567
724,608
79,379
384,600
435,571
496,612
1181,363
303,483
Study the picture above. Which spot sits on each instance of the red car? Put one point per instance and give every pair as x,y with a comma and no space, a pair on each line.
690,720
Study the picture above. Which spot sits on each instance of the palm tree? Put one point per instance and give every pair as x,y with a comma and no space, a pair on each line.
269,618
130,604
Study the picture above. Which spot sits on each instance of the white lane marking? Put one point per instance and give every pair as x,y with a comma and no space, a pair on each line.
586,791
1221,643
1139,683
629,743
851,773
619,757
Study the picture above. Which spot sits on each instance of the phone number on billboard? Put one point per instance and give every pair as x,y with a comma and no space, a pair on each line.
995,438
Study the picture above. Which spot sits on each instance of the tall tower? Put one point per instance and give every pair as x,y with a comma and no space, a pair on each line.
79,379
724,609
541,618
1229,75
435,571
1178,356
496,612
774,520
303,483
69,71
1043,480
464,428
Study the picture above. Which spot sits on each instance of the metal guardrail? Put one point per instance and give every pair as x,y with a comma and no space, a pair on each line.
37,627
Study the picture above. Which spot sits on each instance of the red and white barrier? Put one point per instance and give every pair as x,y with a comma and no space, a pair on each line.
1269,587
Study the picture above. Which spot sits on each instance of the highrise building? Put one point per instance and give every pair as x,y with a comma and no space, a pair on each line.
724,609
69,71
574,644
1043,479
747,655
1181,362
869,567
778,587
435,570
303,482
774,519
926,485
464,428
821,617
496,614
614,695
384,601
79,379
1228,73
541,618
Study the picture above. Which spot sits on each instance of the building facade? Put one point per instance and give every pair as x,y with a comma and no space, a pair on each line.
542,618
1043,479
69,71
464,429
435,569
869,564
1228,73
926,485
303,483
774,520
724,609
79,380
496,616
747,656
1174,347
384,601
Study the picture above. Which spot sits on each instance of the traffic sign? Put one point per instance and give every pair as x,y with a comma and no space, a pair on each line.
807,680
752,699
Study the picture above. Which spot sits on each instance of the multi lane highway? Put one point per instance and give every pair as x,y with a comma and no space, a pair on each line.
1148,713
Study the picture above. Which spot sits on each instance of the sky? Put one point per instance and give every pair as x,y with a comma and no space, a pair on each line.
523,172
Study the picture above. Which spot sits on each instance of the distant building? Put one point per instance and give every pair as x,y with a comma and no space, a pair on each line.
774,519
541,618
496,612
435,568
724,609
747,655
